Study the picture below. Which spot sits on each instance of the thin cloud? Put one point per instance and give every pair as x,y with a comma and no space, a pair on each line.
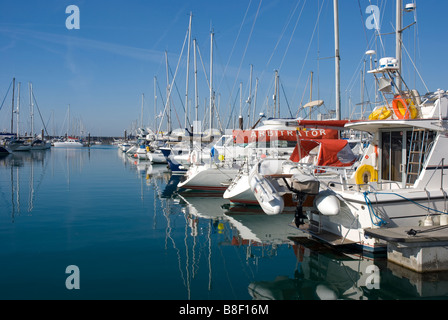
88,44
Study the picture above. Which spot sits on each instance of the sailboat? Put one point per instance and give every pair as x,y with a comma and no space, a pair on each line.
68,142
36,143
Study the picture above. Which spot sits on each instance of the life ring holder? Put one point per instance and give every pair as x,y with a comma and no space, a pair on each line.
365,174
404,108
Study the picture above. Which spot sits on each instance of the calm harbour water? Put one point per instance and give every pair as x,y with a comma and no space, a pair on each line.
132,237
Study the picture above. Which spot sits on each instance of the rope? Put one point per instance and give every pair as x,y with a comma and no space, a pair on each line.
1,106
372,211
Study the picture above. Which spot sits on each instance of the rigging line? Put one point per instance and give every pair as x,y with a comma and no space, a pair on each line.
160,93
283,32
377,23
351,83
286,99
38,109
219,58
362,22
309,46
6,96
231,110
174,78
292,34
247,44
415,67
236,40
203,67
178,93
303,95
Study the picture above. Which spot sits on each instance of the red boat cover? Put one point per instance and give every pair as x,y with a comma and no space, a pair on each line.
332,153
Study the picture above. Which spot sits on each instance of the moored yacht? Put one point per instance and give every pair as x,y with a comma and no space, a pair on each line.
70,142
400,180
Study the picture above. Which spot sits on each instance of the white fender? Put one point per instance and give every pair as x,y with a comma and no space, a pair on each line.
325,293
327,203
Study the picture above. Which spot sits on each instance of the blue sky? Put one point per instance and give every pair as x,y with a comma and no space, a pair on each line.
102,69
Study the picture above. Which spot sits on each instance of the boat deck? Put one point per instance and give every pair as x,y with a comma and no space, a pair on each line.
410,234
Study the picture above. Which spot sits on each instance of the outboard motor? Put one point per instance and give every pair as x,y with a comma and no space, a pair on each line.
302,186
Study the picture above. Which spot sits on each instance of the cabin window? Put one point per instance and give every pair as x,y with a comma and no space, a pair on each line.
403,153
392,155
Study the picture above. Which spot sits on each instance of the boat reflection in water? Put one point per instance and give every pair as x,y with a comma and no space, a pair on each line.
26,172
323,273
317,271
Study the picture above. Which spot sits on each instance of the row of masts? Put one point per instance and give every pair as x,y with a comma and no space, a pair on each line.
275,110
17,110
276,101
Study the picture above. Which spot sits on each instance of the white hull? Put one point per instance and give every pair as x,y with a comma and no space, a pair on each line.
239,190
67,144
389,209
208,177
156,157
141,154
385,192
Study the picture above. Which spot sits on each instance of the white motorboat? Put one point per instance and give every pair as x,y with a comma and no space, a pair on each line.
141,153
70,142
399,181
125,146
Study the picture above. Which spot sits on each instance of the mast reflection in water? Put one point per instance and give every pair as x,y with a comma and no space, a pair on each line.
123,223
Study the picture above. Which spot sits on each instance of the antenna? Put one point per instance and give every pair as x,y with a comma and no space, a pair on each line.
410,7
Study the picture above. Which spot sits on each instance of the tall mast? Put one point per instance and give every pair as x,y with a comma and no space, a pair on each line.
255,97
337,60
155,104
249,100
168,112
68,130
240,117
31,109
196,97
18,108
275,93
188,71
398,36
12,105
211,81
311,91
141,116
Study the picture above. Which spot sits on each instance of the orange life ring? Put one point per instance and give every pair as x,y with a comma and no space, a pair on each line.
404,109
